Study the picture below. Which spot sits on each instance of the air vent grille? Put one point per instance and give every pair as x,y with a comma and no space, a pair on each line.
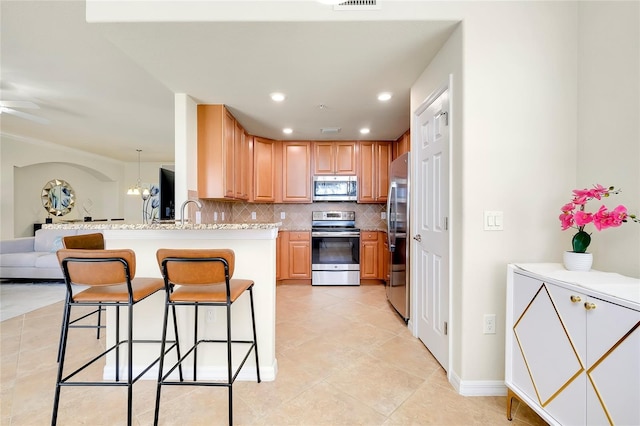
358,5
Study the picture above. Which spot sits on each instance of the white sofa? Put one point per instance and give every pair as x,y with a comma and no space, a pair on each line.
34,257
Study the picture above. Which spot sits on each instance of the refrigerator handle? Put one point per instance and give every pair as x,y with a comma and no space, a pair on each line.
391,201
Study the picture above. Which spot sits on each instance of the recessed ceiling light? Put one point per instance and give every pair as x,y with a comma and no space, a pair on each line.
287,130
364,131
277,97
384,96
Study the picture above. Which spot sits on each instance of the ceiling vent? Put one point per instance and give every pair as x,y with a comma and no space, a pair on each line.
358,5
330,130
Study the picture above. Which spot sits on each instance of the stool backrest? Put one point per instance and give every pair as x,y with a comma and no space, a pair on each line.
97,267
196,266
84,241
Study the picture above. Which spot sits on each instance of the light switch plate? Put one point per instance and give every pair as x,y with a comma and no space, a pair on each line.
493,220
283,215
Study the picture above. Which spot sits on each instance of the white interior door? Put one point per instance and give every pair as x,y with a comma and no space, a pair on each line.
431,233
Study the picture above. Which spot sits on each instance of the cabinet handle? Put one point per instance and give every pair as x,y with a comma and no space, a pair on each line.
575,299
589,306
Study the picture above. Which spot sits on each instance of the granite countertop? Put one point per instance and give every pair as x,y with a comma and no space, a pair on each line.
161,226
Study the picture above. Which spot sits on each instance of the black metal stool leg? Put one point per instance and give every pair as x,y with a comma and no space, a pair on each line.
130,367
229,379
62,349
255,338
161,364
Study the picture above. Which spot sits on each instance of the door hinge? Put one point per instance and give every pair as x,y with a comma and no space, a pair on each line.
446,328
446,117
446,223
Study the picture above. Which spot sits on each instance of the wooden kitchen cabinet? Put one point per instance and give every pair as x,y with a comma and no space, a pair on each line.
369,255
293,254
264,170
215,137
572,353
373,176
384,256
296,172
402,145
334,158
224,170
241,163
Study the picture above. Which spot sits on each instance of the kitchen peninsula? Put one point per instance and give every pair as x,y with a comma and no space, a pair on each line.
254,245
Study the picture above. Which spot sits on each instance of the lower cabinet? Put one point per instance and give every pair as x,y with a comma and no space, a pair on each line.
369,255
573,354
293,255
373,255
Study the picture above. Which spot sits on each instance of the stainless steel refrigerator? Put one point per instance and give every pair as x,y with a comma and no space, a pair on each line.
397,288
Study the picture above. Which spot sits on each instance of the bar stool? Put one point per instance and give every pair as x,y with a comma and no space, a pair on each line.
94,241
203,278
110,275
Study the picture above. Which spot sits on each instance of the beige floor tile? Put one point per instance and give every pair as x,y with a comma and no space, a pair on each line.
344,358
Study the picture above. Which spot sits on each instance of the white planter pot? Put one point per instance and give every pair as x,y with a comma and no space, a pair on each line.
577,261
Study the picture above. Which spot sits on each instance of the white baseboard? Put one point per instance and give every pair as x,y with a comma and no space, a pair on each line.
247,374
478,387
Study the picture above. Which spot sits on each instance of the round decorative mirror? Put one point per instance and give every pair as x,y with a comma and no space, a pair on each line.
58,197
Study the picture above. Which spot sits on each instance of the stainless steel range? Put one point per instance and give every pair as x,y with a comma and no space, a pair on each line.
335,249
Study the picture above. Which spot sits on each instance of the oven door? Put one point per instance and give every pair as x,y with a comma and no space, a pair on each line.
335,259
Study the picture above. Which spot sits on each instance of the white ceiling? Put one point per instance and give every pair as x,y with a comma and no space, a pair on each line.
109,88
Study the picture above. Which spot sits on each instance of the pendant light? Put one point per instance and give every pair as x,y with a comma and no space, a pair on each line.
135,190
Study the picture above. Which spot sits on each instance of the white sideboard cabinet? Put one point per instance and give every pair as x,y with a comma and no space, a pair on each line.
573,345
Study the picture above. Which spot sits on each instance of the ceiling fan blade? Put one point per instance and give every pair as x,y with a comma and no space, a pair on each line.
24,115
19,104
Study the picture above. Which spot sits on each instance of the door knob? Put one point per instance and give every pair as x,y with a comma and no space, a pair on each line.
418,238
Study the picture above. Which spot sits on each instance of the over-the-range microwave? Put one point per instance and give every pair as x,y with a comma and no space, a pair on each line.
335,188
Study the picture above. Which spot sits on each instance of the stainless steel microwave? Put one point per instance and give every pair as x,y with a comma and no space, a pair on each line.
335,188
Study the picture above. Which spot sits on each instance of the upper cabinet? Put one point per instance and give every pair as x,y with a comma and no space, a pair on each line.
214,132
296,172
373,176
402,144
224,170
264,169
334,158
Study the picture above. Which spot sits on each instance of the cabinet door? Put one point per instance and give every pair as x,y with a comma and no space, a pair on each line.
282,255
323,158
242,171
369,255
296,172
228,141
548,348
345,158
366,179
402,145
613,364
210,151
373,180
299,255
383,160
264,168
383,251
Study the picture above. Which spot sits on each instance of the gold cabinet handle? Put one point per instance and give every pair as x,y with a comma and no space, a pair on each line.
576,299
589,306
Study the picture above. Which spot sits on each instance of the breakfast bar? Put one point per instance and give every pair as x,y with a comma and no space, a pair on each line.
254,245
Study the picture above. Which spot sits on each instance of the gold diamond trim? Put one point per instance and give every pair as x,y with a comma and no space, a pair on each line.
524,356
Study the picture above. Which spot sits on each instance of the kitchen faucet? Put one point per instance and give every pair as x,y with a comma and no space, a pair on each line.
196,202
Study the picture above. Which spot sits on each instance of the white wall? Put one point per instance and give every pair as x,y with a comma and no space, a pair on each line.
27,165
609,123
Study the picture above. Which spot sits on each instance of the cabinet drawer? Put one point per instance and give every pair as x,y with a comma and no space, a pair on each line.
368,236
299,236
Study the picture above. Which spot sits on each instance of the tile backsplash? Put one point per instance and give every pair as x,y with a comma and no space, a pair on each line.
297,216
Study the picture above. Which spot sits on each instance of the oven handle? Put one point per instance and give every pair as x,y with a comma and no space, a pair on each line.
335,234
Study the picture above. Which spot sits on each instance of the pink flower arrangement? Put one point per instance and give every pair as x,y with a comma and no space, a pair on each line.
574,215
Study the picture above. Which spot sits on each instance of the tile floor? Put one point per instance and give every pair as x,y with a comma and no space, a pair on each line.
345,358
